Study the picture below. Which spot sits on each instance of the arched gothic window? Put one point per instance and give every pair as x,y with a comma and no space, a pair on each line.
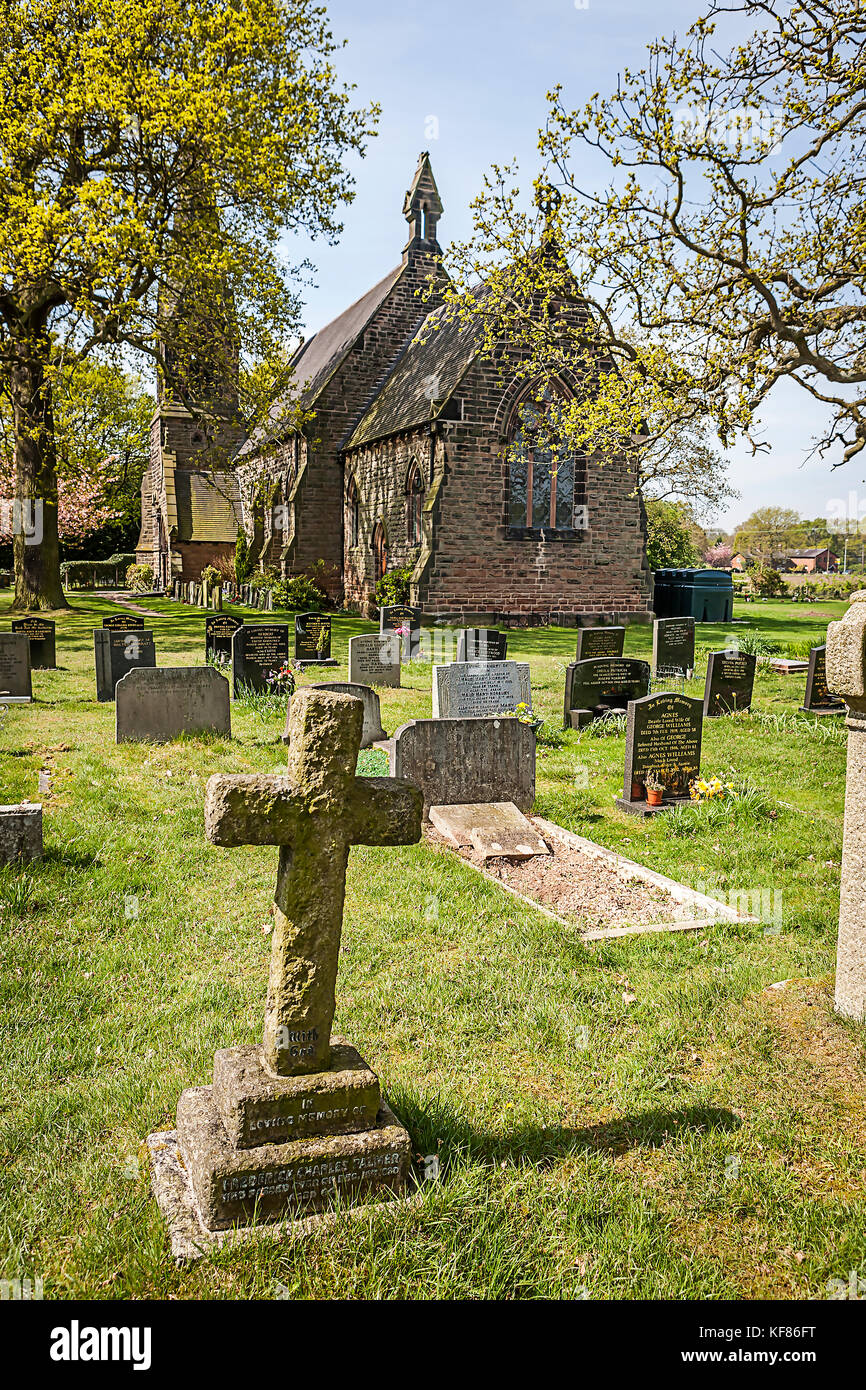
380,551
353,508
414,505
546,489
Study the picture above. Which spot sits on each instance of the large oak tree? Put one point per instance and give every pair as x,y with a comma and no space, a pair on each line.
152,154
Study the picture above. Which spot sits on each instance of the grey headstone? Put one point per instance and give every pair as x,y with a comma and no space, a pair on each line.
20,833
594,688
372,730
115,653
42,635
458,761
157,705
472,689
374,659
729,684
15,685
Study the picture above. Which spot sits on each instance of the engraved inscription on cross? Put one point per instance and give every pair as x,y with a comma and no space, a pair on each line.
314,814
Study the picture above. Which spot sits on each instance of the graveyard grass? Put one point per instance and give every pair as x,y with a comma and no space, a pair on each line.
643,1118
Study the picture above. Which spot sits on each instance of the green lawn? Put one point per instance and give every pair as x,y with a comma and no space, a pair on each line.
645,1118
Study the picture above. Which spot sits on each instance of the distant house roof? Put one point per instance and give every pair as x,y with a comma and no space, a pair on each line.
318,358
202,505
423,378
809,554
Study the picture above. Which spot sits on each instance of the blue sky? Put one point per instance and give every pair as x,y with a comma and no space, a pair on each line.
481,70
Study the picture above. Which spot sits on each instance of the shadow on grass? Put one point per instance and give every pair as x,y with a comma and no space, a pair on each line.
436,1128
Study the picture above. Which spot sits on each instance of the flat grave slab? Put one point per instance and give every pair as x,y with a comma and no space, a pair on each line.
493,829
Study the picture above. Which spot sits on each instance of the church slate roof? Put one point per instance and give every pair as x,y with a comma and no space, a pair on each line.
318,358
423,378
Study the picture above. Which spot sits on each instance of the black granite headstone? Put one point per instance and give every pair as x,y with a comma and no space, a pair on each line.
730,679
481,644
124,622
663,737
818,698
41,631
594,688
258,651
313,640
401,615
219,629
115,653
593,642
673,646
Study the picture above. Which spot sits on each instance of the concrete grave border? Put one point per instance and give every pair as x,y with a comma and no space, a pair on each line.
714,911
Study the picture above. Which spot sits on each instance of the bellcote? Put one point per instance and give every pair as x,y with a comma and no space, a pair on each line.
422,208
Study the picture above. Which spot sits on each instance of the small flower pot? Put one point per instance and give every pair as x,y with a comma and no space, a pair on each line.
654,796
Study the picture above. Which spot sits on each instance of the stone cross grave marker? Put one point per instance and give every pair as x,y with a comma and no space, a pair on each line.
818,699
846,675
374,659
673,647
124,622
42,635
286,1126
258,650
594,688
663,735
16,687
219,629
313,640
406,618
474,689
115,653
481,644
593,642
730,681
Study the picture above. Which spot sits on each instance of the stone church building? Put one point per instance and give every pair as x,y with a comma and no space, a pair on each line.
414,453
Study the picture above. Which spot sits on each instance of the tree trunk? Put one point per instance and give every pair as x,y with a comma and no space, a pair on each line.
35,543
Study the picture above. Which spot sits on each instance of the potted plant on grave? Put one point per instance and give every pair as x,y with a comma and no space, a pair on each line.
654,788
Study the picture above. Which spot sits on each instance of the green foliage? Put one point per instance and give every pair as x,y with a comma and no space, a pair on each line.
210,576
394,587
765,582
669,537
243,565
91,574
263,579
299,593
833,587
140,578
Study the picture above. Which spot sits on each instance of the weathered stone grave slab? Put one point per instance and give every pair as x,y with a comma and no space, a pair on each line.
673,646
160,704
481,644
259,650
117,652
289,1127
20,833
219,629
313,640
495,830
593,642
455,761
818,699
594,688
663,735
371,731
730,682
846,676
402,617
16,687
42,636
472,689
124,622
374,659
